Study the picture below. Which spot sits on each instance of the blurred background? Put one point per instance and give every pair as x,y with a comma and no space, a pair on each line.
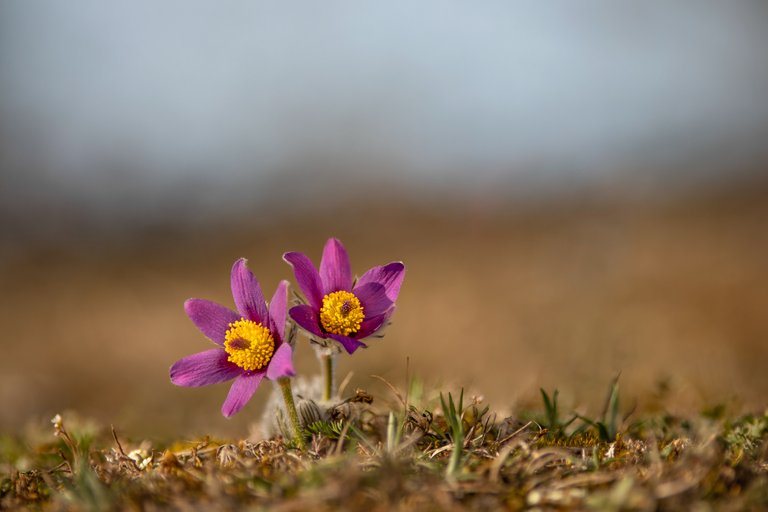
576,190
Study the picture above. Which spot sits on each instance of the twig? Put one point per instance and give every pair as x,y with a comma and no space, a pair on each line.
391,388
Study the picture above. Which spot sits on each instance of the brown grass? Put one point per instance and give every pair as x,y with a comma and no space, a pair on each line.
660,462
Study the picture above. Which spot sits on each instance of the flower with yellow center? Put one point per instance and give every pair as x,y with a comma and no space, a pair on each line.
250,345
341,313
339,307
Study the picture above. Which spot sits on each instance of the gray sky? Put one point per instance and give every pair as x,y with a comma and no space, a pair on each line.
106,102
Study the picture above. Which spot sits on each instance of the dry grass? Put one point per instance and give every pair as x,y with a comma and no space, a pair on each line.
417,456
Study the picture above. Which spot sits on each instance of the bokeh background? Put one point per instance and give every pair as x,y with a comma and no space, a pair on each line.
577,190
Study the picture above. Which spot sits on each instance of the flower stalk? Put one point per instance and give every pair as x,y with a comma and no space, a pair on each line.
328,364
290,406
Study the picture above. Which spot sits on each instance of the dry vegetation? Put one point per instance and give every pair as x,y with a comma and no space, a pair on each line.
448,453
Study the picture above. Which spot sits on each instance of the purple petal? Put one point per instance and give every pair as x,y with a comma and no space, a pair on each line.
212,319
306,277
281,364
241,391
390,276
307,318
203,368
247,293
349,344
278,307
373,298
373,324
335,272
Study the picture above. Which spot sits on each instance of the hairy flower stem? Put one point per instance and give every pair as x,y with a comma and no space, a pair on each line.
285,386
328,362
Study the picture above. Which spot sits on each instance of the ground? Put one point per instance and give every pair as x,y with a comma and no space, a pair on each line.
448,452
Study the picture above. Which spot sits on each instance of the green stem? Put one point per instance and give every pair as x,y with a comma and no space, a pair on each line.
328,364
285,386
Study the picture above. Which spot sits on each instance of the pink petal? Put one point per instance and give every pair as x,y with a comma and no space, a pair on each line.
241,391
203,368
335,271
247,293
281,364
278,308
373,324
390,276
307,318
373,298
212,319
349,344
306,277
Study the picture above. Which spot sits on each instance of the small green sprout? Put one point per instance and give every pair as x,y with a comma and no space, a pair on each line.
454,417
608,427
552,422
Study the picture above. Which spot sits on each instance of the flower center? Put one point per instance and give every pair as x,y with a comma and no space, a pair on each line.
341,313
250,345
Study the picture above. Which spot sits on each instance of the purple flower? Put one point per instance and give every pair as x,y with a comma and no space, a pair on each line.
338,310
250,342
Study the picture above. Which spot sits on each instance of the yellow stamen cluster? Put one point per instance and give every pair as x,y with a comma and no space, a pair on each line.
250,345
341,313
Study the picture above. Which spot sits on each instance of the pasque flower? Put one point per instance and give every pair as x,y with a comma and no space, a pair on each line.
250,342
337,308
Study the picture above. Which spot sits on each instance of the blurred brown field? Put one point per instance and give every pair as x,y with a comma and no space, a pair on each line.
672,293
